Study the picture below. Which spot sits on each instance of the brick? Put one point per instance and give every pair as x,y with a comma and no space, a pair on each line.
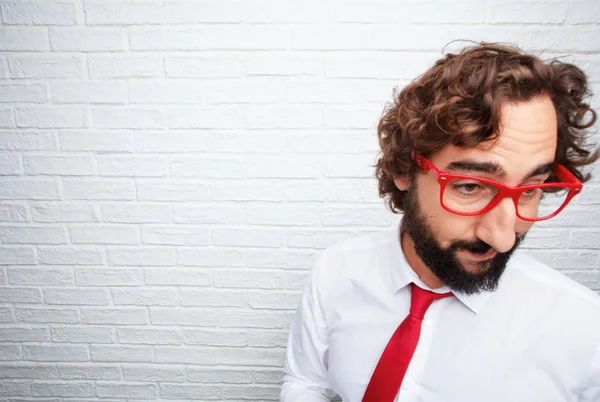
140,256
116,316
247,279
15,388
173,91
589,239
88,92
46,315
266,376
546,238
177,277
356,217
153,373
212,117
217,375
116,353
17,256
148,336
336,92
351,117
28,372
209,215
274,300
315,239
210,257
248,237
171,191
368,37
205,392
206,168
218,37
95,372
248,142
7,118
214,338
260,393
132,166
45,66
527,13
128,118
247,91
32,93
295,280
135,213
9,353
590,279
87,40
124,66
213,298
283,216
70,256
145,297
27,141
575,259
208,11
105,234
82,335
25,334
283,167
23,39
277,117
349,166
10,164
334,190
252,320
287,259
251,356
176,235
218,66
62,390
20,295
56,276
109,277
60,12
51,117
240,190
173,141
6,315
99,189
574,217
59,165
78,297
182,316
359,141
166,354
67,353
284,64
122,13
64,213
3,279
582,12
3,67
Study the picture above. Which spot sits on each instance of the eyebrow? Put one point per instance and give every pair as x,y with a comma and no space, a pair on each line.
493,168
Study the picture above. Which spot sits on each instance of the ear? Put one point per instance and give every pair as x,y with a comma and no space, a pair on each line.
402,182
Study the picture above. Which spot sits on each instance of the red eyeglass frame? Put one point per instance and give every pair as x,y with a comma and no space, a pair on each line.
567,180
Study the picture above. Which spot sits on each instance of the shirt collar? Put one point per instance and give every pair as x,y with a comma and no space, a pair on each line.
402,275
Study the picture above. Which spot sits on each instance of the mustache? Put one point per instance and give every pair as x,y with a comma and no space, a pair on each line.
481,247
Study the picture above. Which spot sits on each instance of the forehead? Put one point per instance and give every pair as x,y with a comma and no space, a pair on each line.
527,138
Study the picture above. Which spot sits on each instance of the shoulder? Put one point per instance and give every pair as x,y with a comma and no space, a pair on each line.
544,280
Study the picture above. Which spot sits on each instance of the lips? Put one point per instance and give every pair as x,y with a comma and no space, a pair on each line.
482,257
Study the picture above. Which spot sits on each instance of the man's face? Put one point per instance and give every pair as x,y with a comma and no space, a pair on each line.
469,254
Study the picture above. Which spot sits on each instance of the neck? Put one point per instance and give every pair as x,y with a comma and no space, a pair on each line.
417,265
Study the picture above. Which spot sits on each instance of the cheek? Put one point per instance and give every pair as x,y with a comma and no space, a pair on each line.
448,227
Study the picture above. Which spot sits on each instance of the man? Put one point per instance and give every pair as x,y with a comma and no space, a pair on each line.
484,144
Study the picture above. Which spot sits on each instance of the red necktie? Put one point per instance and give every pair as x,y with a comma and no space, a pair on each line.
389,373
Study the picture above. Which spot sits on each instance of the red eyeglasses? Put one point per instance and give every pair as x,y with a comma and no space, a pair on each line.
469,195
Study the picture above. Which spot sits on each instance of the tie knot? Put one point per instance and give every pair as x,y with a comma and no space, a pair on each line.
421,299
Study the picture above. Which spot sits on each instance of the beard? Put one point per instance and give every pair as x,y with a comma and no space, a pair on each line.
444,262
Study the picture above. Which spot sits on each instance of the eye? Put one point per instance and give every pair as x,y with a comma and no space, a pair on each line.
467,188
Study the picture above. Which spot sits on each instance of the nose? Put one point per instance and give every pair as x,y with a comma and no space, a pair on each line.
497,227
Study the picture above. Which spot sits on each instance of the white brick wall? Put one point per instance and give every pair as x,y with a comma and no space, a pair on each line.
169,170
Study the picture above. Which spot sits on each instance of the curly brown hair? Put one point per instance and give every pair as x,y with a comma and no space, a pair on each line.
457,101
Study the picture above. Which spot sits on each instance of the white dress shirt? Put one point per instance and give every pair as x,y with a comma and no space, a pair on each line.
535,339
